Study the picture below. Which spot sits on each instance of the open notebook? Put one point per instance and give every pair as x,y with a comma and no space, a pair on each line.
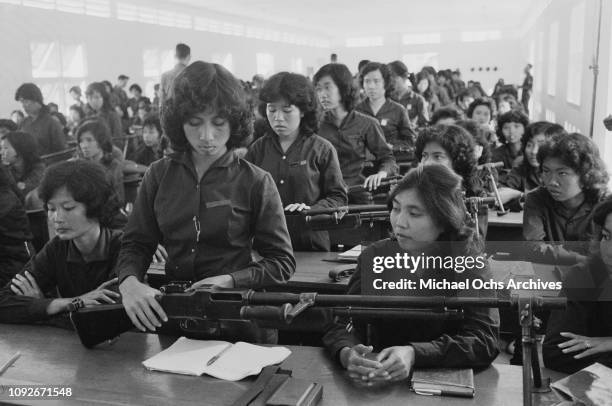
189,357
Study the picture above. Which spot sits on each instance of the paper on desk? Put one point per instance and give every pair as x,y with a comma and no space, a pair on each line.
353,253
189,357
590,386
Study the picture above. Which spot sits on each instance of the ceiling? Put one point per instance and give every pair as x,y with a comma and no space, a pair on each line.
338,18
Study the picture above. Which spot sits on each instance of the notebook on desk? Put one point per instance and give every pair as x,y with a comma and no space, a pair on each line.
443,382
235,361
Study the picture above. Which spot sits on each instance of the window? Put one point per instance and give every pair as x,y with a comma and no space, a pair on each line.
265,64
539,66
226,60
414,62
553,46
575,54
475,36
364,42
550,116
416,39
570,128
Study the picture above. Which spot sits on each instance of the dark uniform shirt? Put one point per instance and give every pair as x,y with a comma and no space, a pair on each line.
60,264
470,342
523,177
416,107
356,135
112,121
146,155
308,172
47,131
30,179
210,226
394,121
547,221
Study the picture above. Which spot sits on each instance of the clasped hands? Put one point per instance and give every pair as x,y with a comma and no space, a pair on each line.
390,365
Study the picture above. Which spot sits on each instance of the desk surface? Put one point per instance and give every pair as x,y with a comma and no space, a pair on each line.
114,375
511,219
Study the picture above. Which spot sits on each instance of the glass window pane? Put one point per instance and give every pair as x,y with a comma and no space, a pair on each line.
45,59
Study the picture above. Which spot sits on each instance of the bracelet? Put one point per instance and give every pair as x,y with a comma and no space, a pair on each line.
75,304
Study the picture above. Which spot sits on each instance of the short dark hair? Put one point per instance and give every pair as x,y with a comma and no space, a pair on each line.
398,68
152,120
29,91
512,116
384,71
136,87
555,130
480,101
341,75
439,188
361,64
8,124
123,77
182,51
459,145
533,129
88,184
581,154
25,146
479,134
445,112
297,90
101,133
100,88
79,110
202,86
76,89
156,87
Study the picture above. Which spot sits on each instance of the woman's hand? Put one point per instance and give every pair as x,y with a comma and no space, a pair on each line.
221,281
160,254
373,181
297,207
357,362
396,361
588,345
101,295
141,305
26,286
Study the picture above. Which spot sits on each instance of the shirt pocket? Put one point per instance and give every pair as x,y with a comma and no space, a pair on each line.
216,222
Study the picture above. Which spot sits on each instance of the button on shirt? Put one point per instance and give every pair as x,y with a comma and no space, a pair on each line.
357,134
308,172
210,226
60,264
394,121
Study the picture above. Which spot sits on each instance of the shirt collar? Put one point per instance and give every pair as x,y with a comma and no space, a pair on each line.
99,253
329,118
225,160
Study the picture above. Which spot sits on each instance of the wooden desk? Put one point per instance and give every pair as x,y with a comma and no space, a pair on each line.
114,375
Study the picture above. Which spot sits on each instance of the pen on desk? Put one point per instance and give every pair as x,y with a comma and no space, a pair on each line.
440,392
216,357
10,362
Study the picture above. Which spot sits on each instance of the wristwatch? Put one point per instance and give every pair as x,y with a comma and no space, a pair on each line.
75,304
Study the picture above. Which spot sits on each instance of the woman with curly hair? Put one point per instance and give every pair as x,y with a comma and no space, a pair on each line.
79,261
558,215
427,215
481,110
94,144
207,207
19,153
304,166
510,129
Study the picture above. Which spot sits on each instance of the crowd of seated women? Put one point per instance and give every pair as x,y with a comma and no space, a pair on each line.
209,197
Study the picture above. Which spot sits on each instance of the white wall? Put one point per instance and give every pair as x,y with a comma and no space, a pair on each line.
113,47
577,115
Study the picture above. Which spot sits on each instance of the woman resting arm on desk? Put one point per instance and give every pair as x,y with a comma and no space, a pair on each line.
206,206
582,333
304,166
427,216
79,260
557,223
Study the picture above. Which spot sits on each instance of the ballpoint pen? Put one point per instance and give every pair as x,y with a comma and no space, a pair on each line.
216,357
10,362
441,392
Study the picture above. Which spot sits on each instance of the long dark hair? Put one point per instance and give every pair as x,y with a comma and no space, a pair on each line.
25,146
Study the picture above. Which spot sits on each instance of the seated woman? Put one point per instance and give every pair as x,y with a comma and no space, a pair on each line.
510,129
453,146
15,234
79,261
149,151
525,174
581,334
19,154
558,215
356,136
99,106
427,215
424,87
481,110
209,208
95,145
375,79
446,116
304,166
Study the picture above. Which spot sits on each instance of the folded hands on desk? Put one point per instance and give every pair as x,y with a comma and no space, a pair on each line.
365,367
